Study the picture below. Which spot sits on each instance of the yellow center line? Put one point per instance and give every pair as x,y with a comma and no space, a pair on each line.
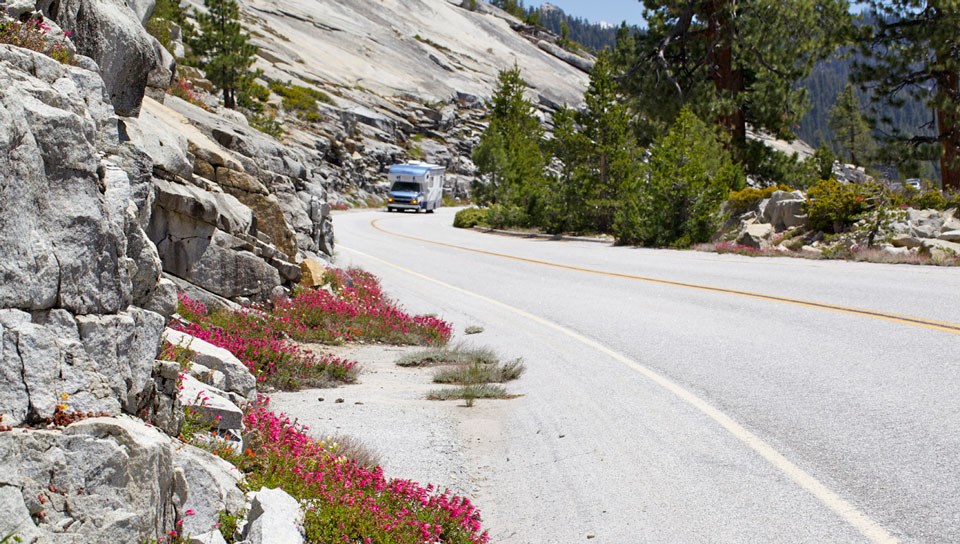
863,312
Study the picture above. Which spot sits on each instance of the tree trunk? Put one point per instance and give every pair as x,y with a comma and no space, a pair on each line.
948,128
727,80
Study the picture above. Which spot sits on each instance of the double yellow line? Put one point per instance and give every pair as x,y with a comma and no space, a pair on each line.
862,312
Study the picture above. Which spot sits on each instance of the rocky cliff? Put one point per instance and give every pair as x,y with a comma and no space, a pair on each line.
115,195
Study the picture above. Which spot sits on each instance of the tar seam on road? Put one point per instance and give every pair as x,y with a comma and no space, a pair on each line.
895,318
847,511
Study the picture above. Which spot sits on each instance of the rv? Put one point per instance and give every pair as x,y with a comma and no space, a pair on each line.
415,186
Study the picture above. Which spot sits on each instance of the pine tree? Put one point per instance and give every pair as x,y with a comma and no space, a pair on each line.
912,52
224,50
733,61
850,130
611,149
509,156
677,201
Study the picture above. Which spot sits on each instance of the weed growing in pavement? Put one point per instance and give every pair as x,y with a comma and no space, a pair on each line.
469,393
456,355
473,370
480,373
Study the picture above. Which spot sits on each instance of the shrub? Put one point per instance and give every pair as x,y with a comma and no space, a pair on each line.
740,202
301,101
468,218
35,36
258,340
833,207
500,216
266,123
356,309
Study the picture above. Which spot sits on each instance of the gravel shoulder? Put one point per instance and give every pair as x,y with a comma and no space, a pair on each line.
414,438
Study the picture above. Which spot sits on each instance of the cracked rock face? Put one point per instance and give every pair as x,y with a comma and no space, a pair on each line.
62,247
75,258
99,480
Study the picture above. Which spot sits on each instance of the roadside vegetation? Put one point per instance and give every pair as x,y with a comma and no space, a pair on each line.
476,373
659,155
351,308
342,490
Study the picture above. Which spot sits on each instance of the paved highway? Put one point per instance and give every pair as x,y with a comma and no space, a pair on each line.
678,396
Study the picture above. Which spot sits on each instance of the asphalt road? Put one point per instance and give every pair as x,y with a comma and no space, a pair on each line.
690,397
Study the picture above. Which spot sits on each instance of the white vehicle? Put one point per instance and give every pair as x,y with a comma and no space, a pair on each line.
415,186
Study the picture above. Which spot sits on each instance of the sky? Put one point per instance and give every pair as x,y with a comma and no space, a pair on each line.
611,11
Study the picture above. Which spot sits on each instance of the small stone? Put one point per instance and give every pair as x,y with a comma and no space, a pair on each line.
591,535
358,402
320,399
338,401
562,435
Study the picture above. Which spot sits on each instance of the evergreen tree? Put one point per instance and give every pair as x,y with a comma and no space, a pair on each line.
850,130
734,62
564,209
611,146
224,50
508,155
677,201
912,53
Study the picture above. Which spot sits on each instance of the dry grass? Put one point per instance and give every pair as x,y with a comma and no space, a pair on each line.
354,448
480,373
473,370
470,393
456,355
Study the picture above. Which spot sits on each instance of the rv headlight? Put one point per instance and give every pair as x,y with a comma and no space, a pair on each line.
390,199
414,201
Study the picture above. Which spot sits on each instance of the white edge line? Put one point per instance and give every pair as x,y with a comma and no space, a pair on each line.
850,513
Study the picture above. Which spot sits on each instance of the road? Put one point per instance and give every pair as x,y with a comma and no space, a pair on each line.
679,396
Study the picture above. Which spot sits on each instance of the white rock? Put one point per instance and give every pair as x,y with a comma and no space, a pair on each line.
905,240
950,236
275,518
208,376
211,489
109,480
237,378
16,518
756,235
785,210
212,537
211,402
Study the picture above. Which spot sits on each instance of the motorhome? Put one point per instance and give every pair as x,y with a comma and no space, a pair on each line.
416,186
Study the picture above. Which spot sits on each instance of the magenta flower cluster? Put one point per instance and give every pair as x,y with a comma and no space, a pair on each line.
347,502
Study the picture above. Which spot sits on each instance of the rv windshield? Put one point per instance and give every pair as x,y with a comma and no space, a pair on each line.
406,186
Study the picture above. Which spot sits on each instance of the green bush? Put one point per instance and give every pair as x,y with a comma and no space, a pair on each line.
468,218
833,207
266,123
740,202
501,216
301,101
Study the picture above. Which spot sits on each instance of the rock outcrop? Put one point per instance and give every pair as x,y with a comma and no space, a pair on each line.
112,34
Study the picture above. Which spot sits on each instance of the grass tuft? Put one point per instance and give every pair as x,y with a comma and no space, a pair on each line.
480,373
469,393
456,355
